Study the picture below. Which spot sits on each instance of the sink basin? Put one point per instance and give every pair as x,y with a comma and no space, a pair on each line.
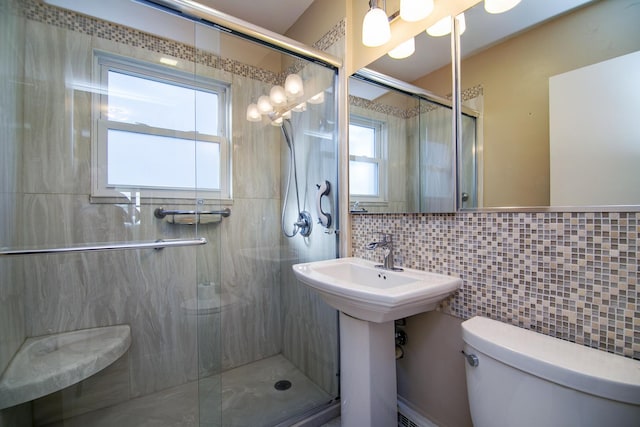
358,288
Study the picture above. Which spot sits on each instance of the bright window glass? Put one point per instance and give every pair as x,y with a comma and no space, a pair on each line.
161,131
366,160
176,163
134,99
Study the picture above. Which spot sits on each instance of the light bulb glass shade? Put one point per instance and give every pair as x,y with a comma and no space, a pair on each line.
440,28
443,26
253,115
499,6
404,49
318,98
293,86
264,105
462,22
375,28
415,10
277,96
300,107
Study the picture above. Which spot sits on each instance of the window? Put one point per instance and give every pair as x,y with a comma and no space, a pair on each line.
160,131
366,159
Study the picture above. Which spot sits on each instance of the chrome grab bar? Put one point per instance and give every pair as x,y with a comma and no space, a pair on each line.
161,213
158,244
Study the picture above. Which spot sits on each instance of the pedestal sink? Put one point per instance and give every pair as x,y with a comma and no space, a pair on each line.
369,300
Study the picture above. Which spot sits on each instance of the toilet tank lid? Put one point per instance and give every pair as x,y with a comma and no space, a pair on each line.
571,365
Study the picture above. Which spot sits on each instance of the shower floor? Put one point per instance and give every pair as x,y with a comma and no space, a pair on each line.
248,399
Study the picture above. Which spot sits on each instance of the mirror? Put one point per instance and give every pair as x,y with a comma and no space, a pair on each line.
401,151
550,131
507,63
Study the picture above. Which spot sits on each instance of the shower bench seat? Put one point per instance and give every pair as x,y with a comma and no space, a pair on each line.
50,363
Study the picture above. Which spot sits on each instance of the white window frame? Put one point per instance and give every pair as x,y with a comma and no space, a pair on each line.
380,159
105,62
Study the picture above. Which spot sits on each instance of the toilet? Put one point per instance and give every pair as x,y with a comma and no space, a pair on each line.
517,377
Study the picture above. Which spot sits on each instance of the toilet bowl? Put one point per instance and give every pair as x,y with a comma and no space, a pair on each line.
523,378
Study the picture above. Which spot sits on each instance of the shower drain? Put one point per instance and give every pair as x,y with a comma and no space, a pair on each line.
282,385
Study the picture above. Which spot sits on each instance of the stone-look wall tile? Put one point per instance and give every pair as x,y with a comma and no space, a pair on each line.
251,325
12,328
106,388
256,145
56,157
571,275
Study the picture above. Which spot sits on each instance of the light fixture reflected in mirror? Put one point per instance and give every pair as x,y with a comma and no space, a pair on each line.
300,107
376,30
318,98
277,96
443,26
499,6
415,10
404,49
293,86
253,115
264,105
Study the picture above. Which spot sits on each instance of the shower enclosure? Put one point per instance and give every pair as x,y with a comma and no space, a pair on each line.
138,191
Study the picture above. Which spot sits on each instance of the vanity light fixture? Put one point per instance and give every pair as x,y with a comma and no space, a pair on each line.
404,49
415,10
293,86
499,6
253,115
264,105
318,98
277,96
376,30
443,26
300,107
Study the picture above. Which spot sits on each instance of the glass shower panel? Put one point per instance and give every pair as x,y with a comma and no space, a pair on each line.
437,154
268,349
57,197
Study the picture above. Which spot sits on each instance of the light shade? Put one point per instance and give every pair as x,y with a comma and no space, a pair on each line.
443,26
404,49
415,10
277,96
264,105
375,28
253,115
499,6
318,98
293,86
300,107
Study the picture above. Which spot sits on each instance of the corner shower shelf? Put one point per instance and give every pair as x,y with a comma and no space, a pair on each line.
50,363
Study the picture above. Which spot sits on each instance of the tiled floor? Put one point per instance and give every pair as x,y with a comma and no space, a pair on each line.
248,399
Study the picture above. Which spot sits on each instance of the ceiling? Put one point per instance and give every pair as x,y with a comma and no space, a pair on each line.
275,15
483,29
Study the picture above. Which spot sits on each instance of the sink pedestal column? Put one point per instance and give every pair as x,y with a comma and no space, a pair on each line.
367,373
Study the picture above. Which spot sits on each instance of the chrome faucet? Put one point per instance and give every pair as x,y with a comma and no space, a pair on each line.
387,244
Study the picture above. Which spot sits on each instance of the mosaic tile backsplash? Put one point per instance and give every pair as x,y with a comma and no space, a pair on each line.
571,275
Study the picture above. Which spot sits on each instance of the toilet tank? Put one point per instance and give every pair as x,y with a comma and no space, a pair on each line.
524,378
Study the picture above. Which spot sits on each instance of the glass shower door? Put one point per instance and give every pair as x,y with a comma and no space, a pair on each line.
267,346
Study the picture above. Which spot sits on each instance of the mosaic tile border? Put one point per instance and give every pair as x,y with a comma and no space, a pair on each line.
37,11
571,275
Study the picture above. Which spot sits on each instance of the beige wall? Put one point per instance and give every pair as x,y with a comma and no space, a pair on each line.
515,75
431,374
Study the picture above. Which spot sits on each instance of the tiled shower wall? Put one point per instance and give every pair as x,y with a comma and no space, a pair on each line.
145,290
571,275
